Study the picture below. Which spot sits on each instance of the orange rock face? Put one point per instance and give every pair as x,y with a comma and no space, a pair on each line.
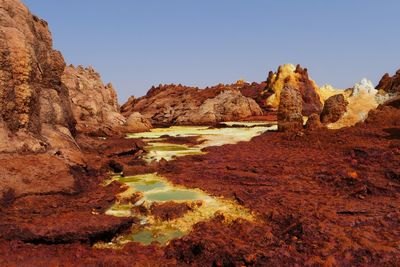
34,106
94,104
295,77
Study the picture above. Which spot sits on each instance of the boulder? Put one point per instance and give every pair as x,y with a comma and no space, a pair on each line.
334,108
290,117
313,122
32,96
136,122
296,77
94,104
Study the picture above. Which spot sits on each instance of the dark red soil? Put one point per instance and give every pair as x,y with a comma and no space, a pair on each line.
170,210
321,198
324,197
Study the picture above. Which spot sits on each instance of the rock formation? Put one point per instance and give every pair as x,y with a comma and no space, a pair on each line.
125,108
290,117
313,122
334,109
182,105
364,86
253,90
136,122
390,84
34,105
297,78
361,99
94,104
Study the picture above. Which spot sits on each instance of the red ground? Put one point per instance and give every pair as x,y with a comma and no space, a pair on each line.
322,198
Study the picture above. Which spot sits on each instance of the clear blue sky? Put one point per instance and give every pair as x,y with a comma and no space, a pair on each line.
137,44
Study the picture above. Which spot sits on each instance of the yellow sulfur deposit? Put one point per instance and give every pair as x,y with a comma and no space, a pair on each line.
156,189
286,76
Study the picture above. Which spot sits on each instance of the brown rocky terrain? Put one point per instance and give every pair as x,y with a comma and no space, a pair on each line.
182,105
320,197
323,198
49,172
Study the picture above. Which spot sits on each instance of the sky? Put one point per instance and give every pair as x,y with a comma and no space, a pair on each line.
136,44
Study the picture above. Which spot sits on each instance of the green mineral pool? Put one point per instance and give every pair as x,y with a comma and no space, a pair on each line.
152,188
157,147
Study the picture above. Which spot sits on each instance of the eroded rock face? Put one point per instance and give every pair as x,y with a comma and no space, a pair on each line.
295,77
390,84
181,105
136,122
229,105
94,104
290,117
313,122
334,108
32,97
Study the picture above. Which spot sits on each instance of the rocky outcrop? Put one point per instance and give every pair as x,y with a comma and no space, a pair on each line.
182,105
34,105
390,84
393,102
126,108
136,122
313,122
297,78
290,117
94,104
334,108
253,90
361,99
229,105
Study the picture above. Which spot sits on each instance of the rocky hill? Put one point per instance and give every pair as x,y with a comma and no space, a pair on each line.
182,105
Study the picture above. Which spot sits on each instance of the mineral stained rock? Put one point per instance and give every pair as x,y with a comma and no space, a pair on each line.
94,104
136,122
313,122
35,113
182,105
361,99
296,77
290,118
390,84
334,109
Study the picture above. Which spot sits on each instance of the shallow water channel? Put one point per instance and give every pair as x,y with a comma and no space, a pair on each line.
146,190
